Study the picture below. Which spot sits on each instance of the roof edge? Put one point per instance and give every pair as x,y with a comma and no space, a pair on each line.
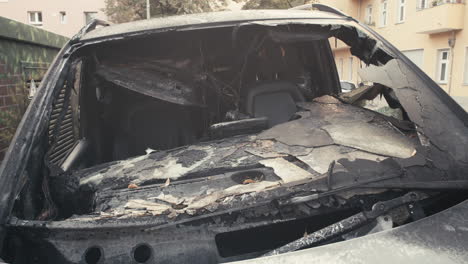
209,18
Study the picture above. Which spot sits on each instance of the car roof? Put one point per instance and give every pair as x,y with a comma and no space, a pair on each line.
207,19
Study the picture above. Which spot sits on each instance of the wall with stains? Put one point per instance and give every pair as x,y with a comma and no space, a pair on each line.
427,30
25,54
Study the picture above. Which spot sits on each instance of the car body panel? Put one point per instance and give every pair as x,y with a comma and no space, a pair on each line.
440,238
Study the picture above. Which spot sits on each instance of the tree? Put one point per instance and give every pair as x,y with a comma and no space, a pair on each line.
119,11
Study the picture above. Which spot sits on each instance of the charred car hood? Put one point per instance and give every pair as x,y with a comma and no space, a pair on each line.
357,142
440,238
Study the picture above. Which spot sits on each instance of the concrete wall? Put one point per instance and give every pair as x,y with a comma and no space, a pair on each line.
408,34
25,54
18,10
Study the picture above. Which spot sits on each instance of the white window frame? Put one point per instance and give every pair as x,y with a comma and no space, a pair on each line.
350,69
36,21
422,58
401,14
63,17
465,70
440,62
369,15
383,13
422,4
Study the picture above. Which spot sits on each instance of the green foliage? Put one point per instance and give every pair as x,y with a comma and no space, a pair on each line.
10,29
24,61
119,11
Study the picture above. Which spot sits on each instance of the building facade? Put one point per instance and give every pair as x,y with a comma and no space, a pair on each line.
63,17
432,33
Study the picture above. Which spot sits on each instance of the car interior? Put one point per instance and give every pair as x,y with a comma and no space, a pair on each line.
222,80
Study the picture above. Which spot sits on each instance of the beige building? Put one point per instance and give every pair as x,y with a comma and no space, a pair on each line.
432,33
63,17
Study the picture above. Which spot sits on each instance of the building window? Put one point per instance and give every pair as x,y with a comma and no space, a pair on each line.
383,13
422,4
350,70
369,15
89,16
416,56
443,65
63,17
401,11
465,72
35,18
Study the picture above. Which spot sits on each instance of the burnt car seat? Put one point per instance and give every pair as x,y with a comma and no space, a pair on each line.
155,126
275,100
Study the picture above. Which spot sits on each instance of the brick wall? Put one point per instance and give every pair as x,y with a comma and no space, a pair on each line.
25,54
14,92
11,86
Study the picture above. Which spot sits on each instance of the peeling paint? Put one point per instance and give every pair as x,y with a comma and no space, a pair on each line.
287,171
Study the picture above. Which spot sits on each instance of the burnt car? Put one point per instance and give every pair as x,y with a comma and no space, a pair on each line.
225,137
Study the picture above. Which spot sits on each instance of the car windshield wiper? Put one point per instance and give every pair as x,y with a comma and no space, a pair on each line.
315,196
349,224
